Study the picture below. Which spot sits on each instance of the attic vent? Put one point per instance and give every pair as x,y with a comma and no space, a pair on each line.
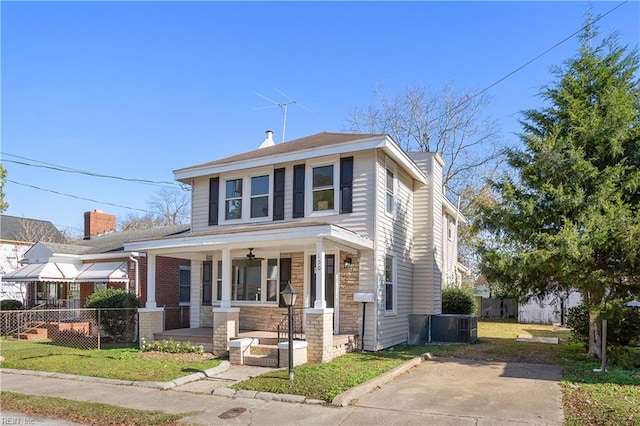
268,141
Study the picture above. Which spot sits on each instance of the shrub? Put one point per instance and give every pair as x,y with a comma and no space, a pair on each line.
458,301
624,357
117,311
171,346
623,323
578,322
10,305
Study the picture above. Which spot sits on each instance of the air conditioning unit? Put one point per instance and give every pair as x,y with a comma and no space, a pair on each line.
454,328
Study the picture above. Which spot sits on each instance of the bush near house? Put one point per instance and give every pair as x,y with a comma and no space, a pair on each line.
117,312
458,301
10,305
623,329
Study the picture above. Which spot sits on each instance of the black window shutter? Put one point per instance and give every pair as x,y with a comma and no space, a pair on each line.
206,282
285,277
346,185
278,194
214,190
298,190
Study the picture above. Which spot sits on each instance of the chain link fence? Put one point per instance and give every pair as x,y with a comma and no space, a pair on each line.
79,328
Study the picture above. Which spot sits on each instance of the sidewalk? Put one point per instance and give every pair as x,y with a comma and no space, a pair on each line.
405,397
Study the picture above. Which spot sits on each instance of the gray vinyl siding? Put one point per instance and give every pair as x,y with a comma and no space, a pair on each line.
394,236
427,273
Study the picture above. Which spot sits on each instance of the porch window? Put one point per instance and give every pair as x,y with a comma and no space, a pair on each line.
260,196
185,285
233,199
323,190
272,280
219,281
389,286
255,280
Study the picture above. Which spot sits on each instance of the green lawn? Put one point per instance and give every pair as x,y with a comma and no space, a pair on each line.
84,412
112,361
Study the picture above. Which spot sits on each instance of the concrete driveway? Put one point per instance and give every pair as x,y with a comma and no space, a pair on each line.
457,392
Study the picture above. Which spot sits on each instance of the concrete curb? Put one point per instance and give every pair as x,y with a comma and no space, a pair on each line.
342,400
353,394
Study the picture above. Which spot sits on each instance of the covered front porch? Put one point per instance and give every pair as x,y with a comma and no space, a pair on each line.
236,277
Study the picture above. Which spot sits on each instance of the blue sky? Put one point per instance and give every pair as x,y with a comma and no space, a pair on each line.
140,89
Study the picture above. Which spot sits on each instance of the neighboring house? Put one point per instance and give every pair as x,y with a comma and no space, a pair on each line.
346,218
63,275
17,235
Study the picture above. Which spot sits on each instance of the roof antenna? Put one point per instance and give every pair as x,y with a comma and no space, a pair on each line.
284,106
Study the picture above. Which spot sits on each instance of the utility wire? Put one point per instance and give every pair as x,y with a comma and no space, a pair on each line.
65,169
75,196
500,80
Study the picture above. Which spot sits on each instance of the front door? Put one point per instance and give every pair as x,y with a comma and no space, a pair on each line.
329,280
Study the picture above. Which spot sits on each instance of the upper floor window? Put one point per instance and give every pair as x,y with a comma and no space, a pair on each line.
260,196
323,189
233,199
450,225
391,193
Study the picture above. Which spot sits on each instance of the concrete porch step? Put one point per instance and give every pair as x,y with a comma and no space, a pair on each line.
34,334
260,349
261,360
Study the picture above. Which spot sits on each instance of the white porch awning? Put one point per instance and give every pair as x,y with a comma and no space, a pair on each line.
103,272
68,272
43,272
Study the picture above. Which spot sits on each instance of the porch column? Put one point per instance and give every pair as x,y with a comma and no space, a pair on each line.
320,302
226,278
319,334
151,281
226,320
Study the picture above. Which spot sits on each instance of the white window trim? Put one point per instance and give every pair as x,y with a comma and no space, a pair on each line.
180,269
394,282
308,183
450,226
246,197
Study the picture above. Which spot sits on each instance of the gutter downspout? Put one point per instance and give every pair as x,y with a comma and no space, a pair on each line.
137,275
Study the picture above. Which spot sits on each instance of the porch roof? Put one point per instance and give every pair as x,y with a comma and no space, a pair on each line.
68,272
103,272
49,271
274,234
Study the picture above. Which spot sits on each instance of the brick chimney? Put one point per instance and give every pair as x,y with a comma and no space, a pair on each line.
97,222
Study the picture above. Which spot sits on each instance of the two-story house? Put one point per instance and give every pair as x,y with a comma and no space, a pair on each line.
360,228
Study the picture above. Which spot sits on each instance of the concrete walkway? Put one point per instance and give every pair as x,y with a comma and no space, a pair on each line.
442,392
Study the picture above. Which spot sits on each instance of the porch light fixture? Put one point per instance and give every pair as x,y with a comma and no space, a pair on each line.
347,262
251,256
289,296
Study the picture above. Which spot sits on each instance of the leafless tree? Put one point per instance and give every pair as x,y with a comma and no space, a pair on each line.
31,231
450,123
167,207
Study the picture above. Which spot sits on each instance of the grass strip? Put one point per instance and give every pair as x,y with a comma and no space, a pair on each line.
84,412
124,362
